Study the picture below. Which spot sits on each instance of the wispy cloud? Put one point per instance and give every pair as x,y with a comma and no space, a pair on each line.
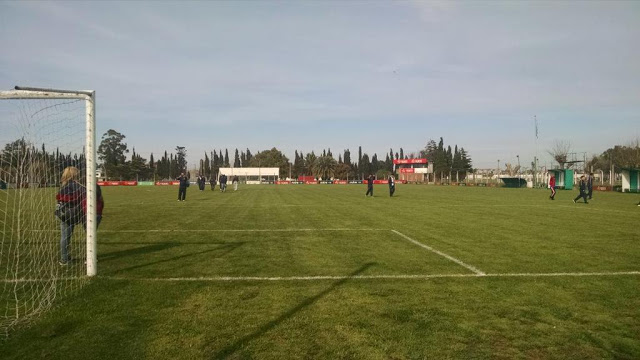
382,74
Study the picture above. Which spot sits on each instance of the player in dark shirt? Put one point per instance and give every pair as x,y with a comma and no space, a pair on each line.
369,186
184,184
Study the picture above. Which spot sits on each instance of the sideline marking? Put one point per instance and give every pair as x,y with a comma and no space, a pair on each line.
336,277
459,262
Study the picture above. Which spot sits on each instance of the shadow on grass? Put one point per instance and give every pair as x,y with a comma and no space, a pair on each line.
224,248
137,251
241,343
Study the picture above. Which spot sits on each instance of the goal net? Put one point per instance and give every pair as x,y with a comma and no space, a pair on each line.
43,132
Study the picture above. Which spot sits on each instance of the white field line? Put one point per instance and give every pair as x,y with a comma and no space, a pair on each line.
367,277
459,262
590,207
332,277
27,280
232,230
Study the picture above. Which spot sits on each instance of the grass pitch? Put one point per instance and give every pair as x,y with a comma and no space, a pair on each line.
322,272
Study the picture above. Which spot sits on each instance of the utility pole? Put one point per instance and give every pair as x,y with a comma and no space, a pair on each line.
518,156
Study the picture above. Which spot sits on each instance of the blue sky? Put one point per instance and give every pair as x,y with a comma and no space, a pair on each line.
314,75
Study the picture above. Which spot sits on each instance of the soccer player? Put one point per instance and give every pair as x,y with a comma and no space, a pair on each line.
583,190
392,185
184,184
369,185
552,186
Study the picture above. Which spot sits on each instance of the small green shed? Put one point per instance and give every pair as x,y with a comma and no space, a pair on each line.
630,180
564,178
514,182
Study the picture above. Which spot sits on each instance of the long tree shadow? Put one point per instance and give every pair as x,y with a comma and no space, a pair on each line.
231,349
225,248
137,251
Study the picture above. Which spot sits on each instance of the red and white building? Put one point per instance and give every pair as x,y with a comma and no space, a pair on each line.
413,170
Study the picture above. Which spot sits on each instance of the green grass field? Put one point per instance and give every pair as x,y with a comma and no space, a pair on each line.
322,272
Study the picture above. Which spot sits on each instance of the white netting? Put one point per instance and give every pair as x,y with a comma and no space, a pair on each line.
38,139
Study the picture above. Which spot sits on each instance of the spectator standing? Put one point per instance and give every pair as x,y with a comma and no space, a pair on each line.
70,197
213,182
392,185
184,184
201,182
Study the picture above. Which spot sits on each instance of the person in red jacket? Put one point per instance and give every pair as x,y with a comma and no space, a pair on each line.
552,186
70,197
99,206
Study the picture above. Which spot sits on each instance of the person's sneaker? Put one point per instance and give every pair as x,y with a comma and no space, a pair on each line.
63,263
574,201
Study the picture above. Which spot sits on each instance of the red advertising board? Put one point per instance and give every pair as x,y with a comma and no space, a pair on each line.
117,183
109,183
283,182
165,183
306,178
409,161
407,170
340,182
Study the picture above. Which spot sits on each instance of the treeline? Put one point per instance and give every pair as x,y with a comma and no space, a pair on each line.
447,162
112,154
23,163
616,158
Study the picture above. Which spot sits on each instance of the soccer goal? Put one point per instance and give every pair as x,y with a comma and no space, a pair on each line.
42,133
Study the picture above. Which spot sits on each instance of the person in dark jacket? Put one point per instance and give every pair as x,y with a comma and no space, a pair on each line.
223,183
590,186
201,182
583,190
184,184
71,195
392,185
369,186
212,181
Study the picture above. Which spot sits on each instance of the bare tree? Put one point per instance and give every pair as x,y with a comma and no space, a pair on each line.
511,170
560,152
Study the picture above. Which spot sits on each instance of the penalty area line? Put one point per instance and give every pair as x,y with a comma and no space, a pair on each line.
459,262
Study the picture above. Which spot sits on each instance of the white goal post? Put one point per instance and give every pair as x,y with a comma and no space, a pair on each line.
47,137
89,96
